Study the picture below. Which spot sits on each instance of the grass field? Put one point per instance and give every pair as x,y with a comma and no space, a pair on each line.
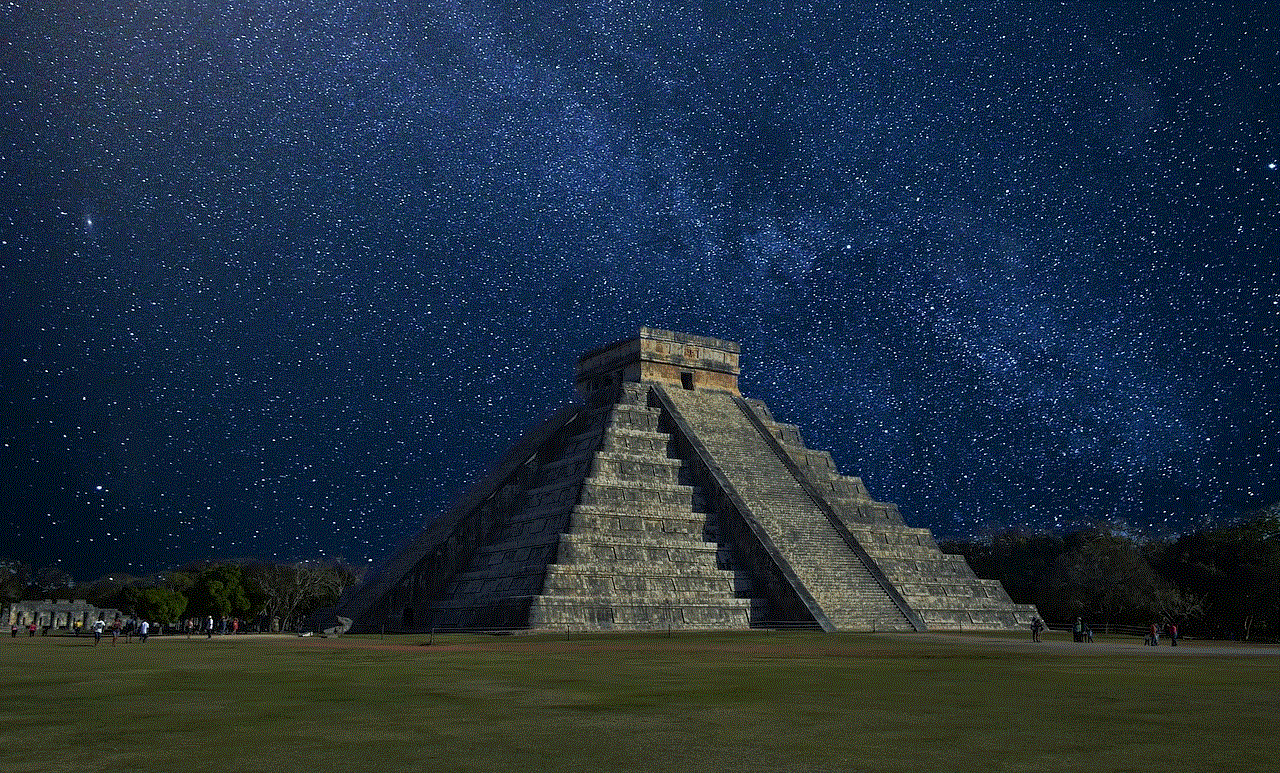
753,701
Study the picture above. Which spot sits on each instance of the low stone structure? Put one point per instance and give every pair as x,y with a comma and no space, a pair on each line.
58,614
669,500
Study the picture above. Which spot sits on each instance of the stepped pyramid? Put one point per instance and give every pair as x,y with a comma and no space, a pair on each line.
668,500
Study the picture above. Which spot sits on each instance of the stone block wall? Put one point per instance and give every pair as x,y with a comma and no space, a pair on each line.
668,500
605,535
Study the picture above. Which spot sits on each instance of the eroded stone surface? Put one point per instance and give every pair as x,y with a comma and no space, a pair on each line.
667,500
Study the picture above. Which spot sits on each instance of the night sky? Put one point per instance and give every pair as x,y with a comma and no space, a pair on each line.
281,278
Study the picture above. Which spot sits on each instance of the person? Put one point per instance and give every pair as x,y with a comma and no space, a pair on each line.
1037,625
235,626
13,630
98,625
1077,631
31,631
1173,634
1153,637
143,628
209,627
1088,634
115,630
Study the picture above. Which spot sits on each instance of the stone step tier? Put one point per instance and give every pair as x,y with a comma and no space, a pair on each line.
942,588
610,535
833,576
550,611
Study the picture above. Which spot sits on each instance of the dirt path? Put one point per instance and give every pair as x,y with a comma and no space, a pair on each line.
1101,645
1052,643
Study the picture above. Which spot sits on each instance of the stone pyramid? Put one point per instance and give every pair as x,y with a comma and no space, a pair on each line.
668,500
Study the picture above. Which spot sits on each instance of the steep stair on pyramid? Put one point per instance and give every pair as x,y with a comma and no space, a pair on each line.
839,581
942,588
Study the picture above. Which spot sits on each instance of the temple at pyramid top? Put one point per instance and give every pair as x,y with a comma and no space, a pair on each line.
667,499
661,356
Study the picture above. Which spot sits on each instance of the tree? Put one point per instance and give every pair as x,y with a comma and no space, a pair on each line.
295,590
110,593
127,599
224,591
1235,570
14,578
1105,576
180,581
160,604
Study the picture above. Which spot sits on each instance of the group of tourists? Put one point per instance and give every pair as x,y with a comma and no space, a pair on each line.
117,628
195,625
1080,632
208,627
1153,635
142,628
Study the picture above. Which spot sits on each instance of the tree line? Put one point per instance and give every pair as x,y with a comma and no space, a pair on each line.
1221,582
265,594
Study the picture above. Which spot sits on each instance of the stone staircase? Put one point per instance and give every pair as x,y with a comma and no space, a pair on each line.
608,538
834,576
941,588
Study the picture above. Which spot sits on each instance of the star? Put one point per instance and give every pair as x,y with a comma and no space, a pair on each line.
1001,275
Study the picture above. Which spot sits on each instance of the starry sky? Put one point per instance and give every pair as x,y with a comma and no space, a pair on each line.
282,276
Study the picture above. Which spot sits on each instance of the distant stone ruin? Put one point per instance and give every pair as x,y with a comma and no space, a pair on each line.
58,614
669,500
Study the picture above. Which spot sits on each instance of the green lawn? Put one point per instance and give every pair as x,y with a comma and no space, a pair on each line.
713,702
